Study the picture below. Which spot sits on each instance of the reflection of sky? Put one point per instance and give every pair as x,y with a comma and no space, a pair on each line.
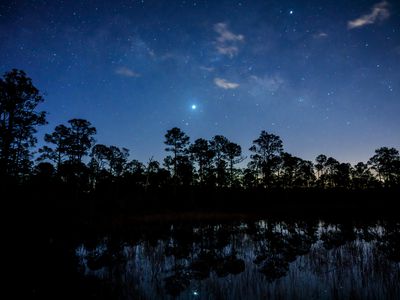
323,75
357,266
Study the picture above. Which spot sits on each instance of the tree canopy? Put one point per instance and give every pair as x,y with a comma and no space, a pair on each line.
77,158
19,119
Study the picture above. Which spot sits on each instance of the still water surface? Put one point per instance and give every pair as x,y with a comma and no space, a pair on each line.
258,259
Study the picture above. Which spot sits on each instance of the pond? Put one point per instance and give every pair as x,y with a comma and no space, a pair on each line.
253,259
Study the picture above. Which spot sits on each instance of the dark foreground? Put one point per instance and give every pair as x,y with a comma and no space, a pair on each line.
322,254
243,259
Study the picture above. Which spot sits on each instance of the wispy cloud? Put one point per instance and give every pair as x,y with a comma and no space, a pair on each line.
225,35
225,84
379,12
124,71
231,51
208,69
227,43
320,35
267,83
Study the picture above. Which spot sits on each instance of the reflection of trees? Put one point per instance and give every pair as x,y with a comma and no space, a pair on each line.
197,252
279,244
98,260
389,242
335,235
174,258
176,283
222,265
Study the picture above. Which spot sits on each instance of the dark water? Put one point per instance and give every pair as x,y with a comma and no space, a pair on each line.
261,259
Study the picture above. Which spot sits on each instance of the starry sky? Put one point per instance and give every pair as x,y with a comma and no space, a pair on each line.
323,75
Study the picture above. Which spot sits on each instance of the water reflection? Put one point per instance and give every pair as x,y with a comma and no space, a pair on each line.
262,259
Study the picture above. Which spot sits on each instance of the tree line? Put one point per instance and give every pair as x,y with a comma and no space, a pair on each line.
72,156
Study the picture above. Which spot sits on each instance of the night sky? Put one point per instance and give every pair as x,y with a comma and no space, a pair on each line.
323,75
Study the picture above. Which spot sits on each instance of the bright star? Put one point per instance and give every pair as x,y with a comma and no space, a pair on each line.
194,106
291,12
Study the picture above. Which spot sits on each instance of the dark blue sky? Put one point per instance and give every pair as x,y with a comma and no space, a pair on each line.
323,75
